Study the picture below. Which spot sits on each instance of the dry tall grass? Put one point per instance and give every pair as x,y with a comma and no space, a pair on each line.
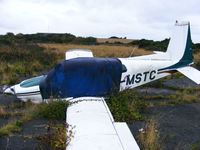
6,114
98,50
149,138
197,57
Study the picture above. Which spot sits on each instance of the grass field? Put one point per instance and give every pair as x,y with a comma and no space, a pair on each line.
98,50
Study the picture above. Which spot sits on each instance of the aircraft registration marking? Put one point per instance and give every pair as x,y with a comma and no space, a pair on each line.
140,77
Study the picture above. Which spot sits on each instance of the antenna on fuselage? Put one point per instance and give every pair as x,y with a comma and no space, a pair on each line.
132,51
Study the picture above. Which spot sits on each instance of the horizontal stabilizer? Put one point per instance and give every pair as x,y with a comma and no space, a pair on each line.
191,73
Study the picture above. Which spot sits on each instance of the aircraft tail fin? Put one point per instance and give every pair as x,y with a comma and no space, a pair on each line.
180,45
179,49
180,52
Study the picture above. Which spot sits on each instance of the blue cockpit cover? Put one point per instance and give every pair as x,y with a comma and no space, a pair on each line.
83,76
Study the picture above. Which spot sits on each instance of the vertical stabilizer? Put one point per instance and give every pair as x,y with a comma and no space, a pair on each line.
180,45
180,52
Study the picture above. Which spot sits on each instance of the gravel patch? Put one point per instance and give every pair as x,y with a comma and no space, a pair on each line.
179,125
18,143
34,128
180,83
5,99
149,91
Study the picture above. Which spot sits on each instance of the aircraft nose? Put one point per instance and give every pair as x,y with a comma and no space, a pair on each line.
9,90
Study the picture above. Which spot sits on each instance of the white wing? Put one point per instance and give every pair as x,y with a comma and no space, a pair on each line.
95,128
75,53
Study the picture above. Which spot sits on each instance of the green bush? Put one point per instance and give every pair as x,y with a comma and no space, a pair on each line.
55,110
85,41
126,106
196,48
197,64
22,59
58,136
151,45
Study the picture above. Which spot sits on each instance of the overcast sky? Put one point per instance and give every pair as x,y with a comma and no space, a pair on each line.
134,19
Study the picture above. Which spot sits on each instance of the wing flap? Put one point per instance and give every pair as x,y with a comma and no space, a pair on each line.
125,136
191,73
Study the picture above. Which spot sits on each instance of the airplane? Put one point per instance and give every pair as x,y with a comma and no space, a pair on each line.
88,80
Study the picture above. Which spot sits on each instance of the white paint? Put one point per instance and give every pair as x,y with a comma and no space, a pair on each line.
177,45
135,66
191,73
75,53
35,98
126,136
94,127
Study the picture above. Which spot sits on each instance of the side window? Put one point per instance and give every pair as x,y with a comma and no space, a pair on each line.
124,69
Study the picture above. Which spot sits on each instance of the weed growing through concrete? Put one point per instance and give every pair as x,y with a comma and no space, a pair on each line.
13,126
196,145
58,136
55,110
149,138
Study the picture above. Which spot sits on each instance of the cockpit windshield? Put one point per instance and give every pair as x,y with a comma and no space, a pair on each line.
32,82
